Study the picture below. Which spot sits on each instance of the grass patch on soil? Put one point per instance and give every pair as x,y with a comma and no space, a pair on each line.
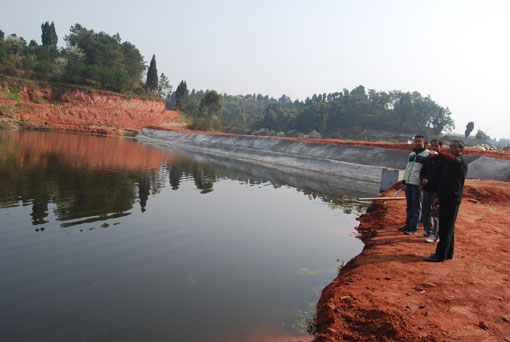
67,86
42,100
15,88
12,96
7,108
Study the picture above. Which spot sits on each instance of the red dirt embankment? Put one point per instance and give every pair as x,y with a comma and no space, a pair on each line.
80,110
388,293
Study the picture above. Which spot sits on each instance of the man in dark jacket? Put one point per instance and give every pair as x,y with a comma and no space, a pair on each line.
430,176
449,195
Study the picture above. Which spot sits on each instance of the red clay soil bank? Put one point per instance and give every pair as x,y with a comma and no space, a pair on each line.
388,293
79,110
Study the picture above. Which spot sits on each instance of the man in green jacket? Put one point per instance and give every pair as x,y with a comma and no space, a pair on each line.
412,183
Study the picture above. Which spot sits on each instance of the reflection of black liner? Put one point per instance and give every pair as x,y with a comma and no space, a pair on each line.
93,219
311,183
353,162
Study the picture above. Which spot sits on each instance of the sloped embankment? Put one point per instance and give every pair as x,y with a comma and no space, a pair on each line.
364,163
388,293
31,105
356,162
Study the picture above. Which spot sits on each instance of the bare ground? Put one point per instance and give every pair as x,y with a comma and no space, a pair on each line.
388,293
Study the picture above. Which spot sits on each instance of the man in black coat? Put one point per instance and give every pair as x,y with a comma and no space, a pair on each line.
430,176
449,195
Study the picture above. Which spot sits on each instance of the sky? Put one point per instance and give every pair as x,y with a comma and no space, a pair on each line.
456,51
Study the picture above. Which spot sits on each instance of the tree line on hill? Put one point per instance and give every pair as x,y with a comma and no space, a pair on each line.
334,115
90,58
346,114
103,61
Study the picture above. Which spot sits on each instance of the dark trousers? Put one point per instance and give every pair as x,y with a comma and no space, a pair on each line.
413,209
448,211
429,214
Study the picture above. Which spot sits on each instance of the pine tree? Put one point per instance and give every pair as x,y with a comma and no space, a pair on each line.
164,87
45,28
49,35
469,128
210,104
181,95
52,35
152,76
2,35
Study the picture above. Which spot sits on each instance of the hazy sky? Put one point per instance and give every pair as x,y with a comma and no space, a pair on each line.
458,52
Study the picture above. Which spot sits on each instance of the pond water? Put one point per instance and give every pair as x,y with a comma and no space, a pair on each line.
109,239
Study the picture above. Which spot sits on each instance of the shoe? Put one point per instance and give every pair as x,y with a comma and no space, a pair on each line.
450,257
432,238
410,232
403,228
434,258
423,235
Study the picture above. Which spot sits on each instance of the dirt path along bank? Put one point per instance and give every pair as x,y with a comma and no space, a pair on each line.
388,293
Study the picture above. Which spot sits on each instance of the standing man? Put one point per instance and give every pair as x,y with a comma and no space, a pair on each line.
412,184
449,195
430,175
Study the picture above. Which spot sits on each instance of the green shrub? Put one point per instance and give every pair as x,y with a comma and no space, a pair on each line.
139,91
7,108
42,101
206,124
340,266
11,96
15,88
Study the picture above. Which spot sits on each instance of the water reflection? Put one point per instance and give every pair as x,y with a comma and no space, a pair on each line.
83,176
90,179
207,168
192,250
204,176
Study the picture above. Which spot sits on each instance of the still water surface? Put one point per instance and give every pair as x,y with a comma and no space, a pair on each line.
107,239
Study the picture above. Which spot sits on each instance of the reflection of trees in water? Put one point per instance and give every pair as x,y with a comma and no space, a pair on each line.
206,174
39,210
144,190
149,182
203,176
76,193
99,194
85,193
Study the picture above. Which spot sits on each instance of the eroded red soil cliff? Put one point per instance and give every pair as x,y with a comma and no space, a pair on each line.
80,110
